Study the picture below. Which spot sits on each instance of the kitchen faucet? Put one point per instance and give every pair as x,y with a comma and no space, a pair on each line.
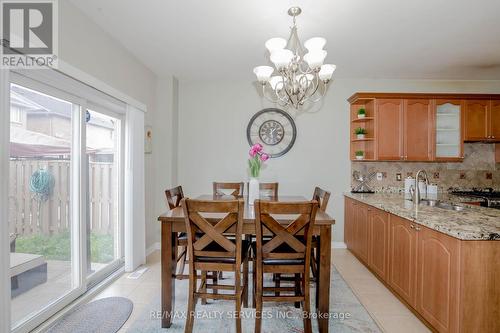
415,190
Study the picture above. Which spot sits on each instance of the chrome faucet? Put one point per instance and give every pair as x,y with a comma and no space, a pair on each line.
415,191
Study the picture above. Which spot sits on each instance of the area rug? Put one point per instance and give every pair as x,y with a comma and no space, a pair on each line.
105,315
346,313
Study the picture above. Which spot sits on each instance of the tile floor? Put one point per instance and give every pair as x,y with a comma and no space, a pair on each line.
389,313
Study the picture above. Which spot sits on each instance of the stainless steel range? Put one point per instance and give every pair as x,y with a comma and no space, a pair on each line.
487,197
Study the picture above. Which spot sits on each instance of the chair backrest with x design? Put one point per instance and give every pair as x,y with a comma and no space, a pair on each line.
207,222
322,197
291,241
174,196
236,187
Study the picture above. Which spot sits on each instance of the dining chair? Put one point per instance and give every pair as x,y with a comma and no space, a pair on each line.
174,197
322,197
287,252
237,188
215,251
271,188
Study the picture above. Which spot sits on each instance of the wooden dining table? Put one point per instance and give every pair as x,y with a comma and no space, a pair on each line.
172,222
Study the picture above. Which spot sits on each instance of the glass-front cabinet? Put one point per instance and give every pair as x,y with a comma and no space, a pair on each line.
448,141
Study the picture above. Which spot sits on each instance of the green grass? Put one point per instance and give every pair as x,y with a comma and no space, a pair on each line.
58,247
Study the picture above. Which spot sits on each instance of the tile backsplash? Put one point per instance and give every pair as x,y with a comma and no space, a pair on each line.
478,169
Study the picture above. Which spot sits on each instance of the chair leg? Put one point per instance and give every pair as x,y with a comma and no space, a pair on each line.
254,283
221,276
204,286
297,289
245,283
237,289
258,302
306,305
191,304
182,259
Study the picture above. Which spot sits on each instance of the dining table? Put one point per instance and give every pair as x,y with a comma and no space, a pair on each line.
173,223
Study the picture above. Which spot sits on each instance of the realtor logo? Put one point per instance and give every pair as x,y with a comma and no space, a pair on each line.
29,33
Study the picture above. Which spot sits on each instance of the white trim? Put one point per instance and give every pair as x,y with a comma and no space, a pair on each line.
154,247
339,245
4,202
83,77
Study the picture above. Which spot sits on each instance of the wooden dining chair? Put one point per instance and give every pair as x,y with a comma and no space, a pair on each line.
271,188
237,188
214,251
174,197
287,252
322,197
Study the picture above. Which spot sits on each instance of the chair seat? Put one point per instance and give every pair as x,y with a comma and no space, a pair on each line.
214,247
283,248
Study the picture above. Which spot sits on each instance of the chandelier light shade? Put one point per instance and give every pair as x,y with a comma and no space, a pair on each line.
300,72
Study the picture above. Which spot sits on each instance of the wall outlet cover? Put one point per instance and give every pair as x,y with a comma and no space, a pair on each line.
436,175
380,176
398,177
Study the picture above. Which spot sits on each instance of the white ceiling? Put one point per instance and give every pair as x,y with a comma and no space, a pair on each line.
419,39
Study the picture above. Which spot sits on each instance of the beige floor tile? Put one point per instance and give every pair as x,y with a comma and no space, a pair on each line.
399,324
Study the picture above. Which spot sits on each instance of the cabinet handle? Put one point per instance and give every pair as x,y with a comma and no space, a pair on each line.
417,228
412,226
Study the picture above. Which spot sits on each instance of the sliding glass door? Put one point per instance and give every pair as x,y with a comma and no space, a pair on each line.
65,198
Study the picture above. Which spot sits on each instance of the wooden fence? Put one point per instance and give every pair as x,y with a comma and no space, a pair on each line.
28,215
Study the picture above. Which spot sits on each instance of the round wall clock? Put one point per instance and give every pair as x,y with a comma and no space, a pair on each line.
274,129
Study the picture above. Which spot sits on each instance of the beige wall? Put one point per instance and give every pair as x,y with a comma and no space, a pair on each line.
212,141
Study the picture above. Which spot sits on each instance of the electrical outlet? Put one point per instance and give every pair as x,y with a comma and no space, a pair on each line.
398,177
380,176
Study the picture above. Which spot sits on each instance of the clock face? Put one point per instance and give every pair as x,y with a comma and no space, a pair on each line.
274,129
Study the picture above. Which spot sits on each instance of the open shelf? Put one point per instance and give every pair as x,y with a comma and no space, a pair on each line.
365,139
362,120
367,145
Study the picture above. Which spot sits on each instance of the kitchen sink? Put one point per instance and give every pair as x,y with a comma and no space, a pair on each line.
442,205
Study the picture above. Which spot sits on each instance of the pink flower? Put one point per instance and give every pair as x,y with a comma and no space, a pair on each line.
257,147
252,152
264,157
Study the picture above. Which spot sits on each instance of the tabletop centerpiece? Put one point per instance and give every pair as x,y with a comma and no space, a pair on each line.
257,157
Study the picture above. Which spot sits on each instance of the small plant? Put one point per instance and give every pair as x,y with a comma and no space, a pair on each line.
361,113
360,130
359,154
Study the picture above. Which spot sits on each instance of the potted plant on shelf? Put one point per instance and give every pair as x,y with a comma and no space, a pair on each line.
360,155
257,157
360,132
361,113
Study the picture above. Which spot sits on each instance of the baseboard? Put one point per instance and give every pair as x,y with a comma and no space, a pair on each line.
156,246
339,245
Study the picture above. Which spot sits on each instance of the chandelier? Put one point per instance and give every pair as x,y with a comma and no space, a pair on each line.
301,75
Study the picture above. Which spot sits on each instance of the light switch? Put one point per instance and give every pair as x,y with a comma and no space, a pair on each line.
380,176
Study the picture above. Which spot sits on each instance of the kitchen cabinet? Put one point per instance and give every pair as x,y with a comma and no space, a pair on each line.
361,232
389,129
418,128
451,283
438,279
403,258
494,120
476,120
378,241
448,136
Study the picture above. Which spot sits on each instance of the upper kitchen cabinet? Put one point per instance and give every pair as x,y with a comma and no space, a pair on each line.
418,130
476,120
421,127
482,120
449,145
389,129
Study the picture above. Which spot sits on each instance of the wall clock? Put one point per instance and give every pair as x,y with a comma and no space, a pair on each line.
274,129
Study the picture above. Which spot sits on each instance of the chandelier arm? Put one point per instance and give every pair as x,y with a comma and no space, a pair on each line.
266,95
321,95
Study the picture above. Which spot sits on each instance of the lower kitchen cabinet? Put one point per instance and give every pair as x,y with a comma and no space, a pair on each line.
451,283
403,259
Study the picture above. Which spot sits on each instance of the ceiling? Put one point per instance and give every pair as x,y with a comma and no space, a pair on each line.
424,39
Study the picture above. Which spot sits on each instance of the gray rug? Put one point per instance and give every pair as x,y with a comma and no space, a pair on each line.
105,315
346,313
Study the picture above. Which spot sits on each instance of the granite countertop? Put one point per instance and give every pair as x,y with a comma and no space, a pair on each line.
473,223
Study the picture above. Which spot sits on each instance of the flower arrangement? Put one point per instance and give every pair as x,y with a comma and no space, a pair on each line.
257,157
360,154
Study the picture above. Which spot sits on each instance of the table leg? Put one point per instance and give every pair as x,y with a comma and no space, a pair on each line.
168,265
323,302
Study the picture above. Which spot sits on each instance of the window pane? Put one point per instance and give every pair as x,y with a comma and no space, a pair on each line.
104,229
39,200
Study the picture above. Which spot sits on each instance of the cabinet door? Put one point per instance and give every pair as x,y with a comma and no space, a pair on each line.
389,129
361,232
418,129
378,231
448,139
476,120
494,120
348,222
438,279
402,258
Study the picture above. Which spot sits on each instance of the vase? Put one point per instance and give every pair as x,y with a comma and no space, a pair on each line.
360,157
360,136
253,190
361,115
